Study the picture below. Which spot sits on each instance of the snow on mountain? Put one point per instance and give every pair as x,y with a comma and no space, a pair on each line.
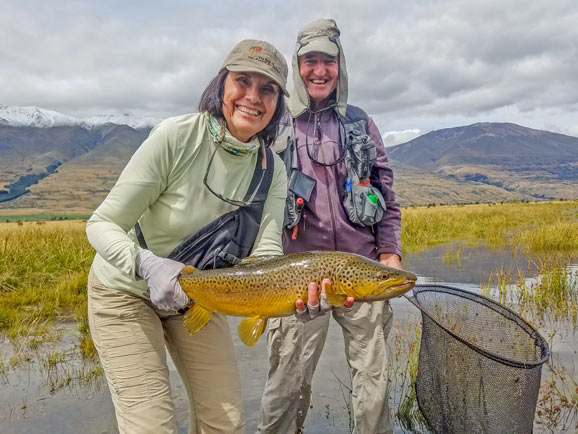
124,119
19,116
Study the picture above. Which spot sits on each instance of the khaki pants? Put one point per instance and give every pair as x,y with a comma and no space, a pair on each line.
294,350
130,337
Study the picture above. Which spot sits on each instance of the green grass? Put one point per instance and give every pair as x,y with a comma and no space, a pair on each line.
42,217
553,294
408,412
43,275
534,226
44,264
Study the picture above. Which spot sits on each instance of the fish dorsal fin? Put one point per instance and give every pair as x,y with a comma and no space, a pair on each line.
256,260
336,299
196,318
251,329
188,269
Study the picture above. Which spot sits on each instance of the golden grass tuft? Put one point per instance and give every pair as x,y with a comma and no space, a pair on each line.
532,226
43,274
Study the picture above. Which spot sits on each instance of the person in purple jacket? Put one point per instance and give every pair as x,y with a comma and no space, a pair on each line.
340,198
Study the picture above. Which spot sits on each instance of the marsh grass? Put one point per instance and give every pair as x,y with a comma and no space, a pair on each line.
403,373
3,367
535,226
555,292
550,299
44,264
43,274
552,294
453,256
347,396
44,267
43,217
61,368
558,403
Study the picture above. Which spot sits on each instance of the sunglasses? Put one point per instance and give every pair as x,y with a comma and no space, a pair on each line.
249,199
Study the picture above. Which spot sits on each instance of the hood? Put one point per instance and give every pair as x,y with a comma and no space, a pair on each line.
317,32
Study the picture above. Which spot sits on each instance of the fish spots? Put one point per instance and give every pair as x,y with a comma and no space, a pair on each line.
270,287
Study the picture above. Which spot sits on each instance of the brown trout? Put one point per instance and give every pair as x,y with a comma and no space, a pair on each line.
263,287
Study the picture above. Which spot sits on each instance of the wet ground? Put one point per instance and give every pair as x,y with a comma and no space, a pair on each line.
53,392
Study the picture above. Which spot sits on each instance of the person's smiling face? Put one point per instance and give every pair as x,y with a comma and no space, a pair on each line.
249,103
320,73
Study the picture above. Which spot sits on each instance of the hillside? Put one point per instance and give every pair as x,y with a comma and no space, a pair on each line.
82,181
415,187
518,160
51,165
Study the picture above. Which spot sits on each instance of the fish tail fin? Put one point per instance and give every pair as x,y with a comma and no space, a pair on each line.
251,329
196,318
188,269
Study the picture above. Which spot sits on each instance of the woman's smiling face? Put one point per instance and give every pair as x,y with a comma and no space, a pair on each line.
249,103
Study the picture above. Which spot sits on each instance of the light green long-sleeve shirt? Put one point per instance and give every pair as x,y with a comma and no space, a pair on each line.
162,188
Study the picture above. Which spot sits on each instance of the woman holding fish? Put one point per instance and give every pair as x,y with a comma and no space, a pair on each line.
191,170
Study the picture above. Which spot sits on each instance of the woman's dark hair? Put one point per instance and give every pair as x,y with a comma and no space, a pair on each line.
212,102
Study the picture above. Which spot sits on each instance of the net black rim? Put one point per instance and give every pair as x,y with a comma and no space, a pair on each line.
535,335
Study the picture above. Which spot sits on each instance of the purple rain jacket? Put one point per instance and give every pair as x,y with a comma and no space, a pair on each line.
324,224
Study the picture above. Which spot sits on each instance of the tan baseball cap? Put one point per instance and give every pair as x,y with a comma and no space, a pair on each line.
251,55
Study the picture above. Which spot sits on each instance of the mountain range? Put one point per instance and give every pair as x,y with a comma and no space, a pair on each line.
524,162
19,116
54,163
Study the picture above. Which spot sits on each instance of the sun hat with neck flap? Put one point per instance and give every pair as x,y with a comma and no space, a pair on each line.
320,36
251,55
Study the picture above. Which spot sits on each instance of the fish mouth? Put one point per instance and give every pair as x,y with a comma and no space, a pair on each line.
394,288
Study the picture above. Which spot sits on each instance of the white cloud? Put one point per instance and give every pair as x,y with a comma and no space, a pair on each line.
391,138
412,65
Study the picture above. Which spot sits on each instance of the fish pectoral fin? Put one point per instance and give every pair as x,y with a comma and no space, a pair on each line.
188,269
196,318
251,329
336,299
255,260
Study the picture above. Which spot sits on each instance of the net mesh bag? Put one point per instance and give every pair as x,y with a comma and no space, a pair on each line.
479,364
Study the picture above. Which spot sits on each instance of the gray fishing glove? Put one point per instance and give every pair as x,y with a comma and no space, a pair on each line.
313,311
161,276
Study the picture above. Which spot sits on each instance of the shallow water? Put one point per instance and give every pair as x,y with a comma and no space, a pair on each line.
43,397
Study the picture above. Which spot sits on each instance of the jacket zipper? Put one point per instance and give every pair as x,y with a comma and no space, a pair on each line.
328,189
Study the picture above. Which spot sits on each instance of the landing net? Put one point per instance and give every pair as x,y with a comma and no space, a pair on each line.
479,364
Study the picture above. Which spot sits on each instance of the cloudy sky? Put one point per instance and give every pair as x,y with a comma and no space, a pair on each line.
415,66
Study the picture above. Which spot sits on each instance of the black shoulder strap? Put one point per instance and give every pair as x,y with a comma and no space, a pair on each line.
354,114
140,237
229,238
262,173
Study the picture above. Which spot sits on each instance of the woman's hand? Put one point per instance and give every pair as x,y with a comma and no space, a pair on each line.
316,307
161,276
